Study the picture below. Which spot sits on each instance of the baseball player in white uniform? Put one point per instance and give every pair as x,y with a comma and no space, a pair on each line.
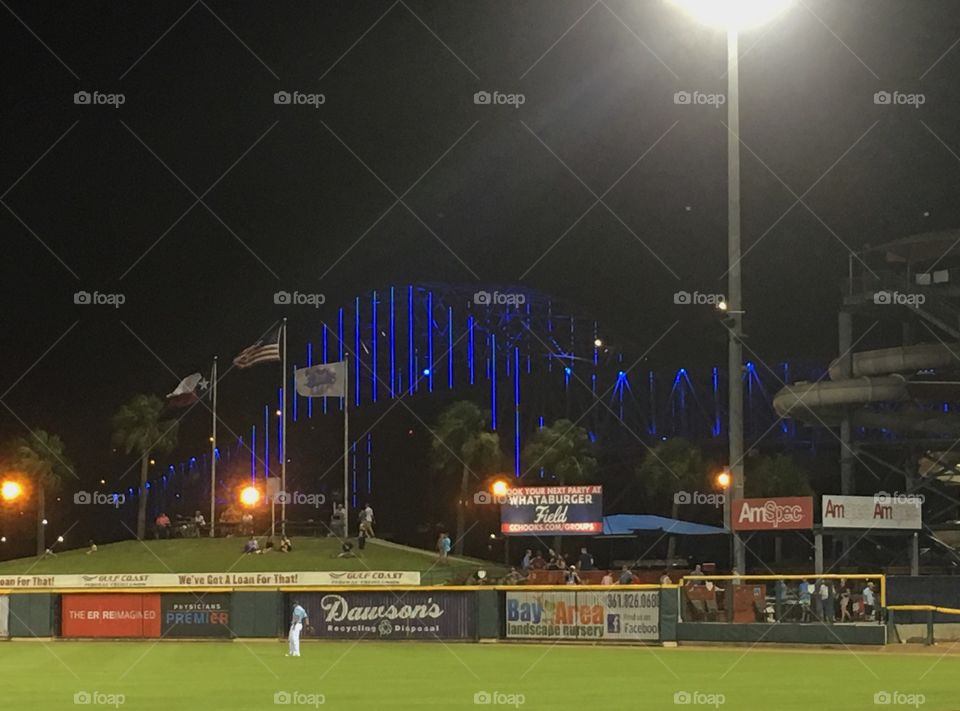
297,621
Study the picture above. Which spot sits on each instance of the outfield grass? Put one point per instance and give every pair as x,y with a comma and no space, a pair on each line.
204,555
215,676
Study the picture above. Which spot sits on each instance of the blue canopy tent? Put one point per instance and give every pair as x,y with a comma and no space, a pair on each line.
632,524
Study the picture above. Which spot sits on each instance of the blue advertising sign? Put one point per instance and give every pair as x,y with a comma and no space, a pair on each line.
554,510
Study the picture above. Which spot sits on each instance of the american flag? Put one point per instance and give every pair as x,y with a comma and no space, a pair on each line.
266,350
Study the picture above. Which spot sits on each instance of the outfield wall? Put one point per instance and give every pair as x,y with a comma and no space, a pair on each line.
640,614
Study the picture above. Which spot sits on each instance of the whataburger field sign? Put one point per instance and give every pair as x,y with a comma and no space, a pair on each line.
213,580
557,510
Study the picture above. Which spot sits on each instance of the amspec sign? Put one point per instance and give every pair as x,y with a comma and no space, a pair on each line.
775,514
589,615
556,510
879,511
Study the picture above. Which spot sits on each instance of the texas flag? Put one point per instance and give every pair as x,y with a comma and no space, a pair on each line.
186,392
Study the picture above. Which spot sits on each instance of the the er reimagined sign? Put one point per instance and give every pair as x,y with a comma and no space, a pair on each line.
774,514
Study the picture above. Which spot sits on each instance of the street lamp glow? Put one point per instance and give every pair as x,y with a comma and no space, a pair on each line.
250,496
723,479
499,488
733,14
10,490
597,343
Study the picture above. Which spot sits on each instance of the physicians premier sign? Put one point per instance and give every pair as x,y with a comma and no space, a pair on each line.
587,615
215,580
776,514
880,511
556,510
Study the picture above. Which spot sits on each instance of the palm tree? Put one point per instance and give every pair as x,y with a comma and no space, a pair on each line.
564,450
461,441
40,457
137,427
673,468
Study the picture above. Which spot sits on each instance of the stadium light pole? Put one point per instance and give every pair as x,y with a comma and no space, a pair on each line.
734,16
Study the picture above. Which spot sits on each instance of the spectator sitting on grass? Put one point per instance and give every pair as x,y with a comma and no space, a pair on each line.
92,548
285,545
251,546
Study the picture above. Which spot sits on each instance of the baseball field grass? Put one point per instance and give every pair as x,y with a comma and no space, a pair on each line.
254,676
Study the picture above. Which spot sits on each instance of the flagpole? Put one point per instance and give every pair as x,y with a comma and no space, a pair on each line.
213,453
346,448
283,438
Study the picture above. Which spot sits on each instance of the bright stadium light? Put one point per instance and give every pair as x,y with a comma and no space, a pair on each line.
499,488
250,496
10,490
733,14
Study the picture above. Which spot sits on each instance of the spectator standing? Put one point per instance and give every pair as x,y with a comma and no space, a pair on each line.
443,547
538,563
804,597
844,601
826,606
869,600
665,579
607,578
586,560
526,561
626,576
366,520
571,577
163,526
198,523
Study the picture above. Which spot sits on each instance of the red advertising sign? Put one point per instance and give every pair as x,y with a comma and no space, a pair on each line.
785,512
116,615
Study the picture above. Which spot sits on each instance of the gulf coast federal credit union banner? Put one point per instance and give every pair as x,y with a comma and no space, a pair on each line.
554,510
587,615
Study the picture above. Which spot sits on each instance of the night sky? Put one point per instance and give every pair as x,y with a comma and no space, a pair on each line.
199,197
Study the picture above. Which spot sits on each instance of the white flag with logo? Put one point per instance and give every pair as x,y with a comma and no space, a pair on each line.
324,380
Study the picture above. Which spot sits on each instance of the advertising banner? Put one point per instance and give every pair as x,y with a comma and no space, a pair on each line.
111,615
587,615
554,510
188,615
4,616
216,580
388,615
879,511
775,514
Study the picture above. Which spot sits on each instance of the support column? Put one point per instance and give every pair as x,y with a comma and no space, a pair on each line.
818,552
845,363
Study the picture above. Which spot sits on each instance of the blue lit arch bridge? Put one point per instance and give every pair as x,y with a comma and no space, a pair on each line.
528,358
